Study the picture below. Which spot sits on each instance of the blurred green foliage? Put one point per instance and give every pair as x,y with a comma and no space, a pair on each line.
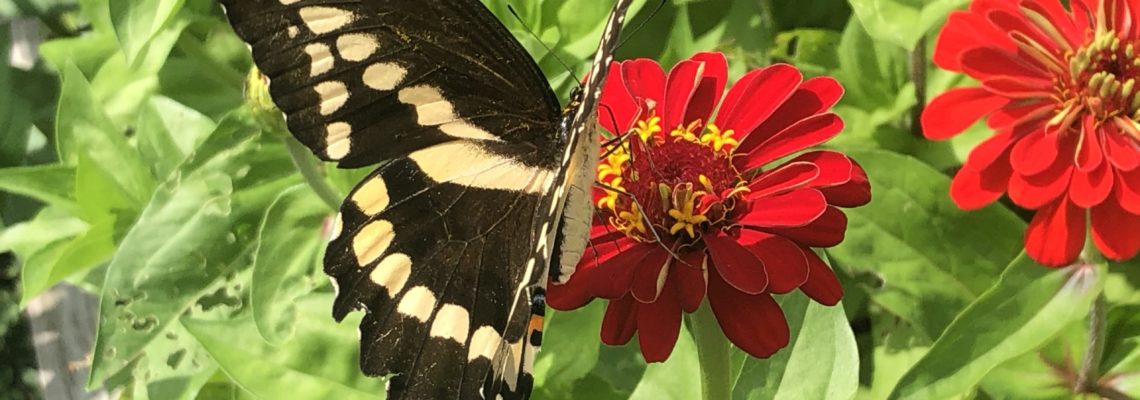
130,166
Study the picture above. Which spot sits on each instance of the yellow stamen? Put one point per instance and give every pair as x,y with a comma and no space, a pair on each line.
718,139
683,212
646,128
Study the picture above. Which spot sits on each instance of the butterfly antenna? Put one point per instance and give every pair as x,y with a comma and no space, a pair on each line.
657,9
550,51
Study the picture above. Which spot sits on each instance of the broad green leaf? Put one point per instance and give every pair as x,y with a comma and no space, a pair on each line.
123,87
902,22
678,378
1047,373
872,74
87,52
897,347
1027,307
137,22
195,233
813,51
51,184
83,126
821,362
570,347
167,132
932,258
89,249
285,262
52,224
320,362
174,367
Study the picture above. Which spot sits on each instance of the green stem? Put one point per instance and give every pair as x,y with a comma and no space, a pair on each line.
311,171
1089,375
714,353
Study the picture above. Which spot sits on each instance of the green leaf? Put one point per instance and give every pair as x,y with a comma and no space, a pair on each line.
872,74
320,362
195,233
285,261
570,348
932,258
83,126
15,111
902,22
167,132
137,22
174,367
1027,307
822,361
89,249
51,184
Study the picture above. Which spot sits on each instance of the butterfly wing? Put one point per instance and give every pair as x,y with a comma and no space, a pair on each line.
446,243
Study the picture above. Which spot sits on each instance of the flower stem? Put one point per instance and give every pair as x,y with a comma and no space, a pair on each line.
310,170
918,76
1090,370
714,353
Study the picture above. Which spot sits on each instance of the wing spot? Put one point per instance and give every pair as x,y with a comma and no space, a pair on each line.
320,59
384,76
372,197
321,20
433,109
356,46
337,227
293,31
392,273
485,343
372,241
464,163
337,144
451,322
417,303
333,95
288,2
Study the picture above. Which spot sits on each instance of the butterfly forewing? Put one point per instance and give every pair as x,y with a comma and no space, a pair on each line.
445,245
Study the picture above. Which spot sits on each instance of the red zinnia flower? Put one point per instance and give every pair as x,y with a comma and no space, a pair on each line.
1061,92
688,210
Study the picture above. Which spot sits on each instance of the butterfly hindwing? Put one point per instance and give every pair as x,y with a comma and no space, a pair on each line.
446,244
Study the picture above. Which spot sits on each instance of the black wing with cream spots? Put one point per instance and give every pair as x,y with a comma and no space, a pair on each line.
446,245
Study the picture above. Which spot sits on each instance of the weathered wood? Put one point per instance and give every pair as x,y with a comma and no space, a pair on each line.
63,323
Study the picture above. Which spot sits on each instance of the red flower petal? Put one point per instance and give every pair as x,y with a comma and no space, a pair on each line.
616,107
710,88
796,208
754,97
1128,190
1090,153
985,62
1015,115
784,178
754,323
659,323
783,260
645,81
1034,154
972,190
620,322
649,279
1035,191
1020,88
822,284
835,168
826,231
736,264
804,134
855,193
1056,234
1115,231
964,31
1057,18
679,90
991,150
1089,188
814,96
956,109
691,275
1123,152
612,278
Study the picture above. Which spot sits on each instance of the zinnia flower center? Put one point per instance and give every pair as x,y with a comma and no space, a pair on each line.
1102,83
670,187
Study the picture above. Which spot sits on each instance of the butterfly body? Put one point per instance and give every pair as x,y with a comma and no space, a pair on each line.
482,180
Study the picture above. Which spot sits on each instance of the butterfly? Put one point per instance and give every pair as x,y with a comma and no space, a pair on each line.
482,181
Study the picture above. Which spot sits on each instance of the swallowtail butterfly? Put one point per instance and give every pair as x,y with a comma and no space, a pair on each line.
482,188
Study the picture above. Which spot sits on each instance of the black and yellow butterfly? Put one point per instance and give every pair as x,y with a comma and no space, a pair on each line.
482,189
